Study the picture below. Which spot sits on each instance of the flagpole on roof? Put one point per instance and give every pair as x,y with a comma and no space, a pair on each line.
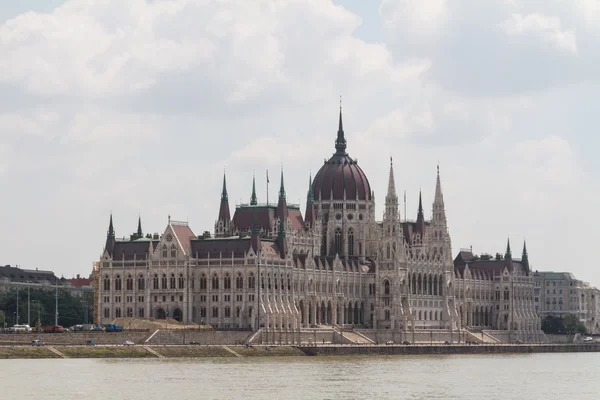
267,187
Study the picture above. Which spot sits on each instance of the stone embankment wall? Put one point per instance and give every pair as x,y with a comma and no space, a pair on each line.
74,338
448,349
203,337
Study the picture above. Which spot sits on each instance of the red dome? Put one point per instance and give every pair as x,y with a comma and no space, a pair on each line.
341,174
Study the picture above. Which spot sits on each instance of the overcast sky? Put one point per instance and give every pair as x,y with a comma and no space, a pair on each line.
136,107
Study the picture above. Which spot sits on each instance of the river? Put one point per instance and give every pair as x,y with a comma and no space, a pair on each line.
517,376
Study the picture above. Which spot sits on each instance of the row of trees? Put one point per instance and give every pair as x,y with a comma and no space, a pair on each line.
72,310
567,324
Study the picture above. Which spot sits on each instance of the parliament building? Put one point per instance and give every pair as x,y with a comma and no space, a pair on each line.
337,265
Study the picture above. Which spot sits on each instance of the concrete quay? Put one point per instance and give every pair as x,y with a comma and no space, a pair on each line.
423,349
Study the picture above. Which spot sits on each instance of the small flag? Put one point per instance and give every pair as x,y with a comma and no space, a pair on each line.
267,176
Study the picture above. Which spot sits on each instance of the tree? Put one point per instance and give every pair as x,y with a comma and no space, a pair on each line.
571,321
1,318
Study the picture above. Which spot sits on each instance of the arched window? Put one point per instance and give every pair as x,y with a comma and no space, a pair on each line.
215,282
386,287
180,281
215,312
141,312
251,281
164,251
106,283
173,251
269,281
227,282
141,283
350,242
227,312
202,312
239,282
129,312
164,281
388,253
414,284
155,281
324,242
387,315
106,313
441,286
238,311
360,248
172,281
338,241
202,282
129,283
118,283
118,312
506,294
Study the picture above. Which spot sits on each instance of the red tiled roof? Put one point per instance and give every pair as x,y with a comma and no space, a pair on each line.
79,282
184,234
243,219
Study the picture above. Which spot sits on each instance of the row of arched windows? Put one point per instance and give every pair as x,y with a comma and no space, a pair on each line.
339,243
165,251
431,285
239,281
433,316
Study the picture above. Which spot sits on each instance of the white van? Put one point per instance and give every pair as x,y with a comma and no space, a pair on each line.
21,329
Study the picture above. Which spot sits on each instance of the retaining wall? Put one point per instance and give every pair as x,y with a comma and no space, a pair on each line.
74,337
205,336
337,350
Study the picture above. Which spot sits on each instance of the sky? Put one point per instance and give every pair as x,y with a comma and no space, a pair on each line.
136,107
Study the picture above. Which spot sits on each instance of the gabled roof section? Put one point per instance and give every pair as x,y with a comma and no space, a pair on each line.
184,235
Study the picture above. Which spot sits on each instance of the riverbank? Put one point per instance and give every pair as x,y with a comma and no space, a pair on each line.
196,351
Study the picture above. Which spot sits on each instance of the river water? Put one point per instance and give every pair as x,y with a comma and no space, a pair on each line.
519,376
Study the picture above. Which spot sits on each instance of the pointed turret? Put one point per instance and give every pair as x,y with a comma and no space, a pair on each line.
525,257
311,213
391,199
391,193
340,142
253,200
508,254
110,237
111,229
420,218
439,214
222,226
139,232
282,214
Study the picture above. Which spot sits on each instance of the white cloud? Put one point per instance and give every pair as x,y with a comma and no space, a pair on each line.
424,17
545,27
136,106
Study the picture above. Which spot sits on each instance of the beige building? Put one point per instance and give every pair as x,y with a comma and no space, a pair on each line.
270,266
560,293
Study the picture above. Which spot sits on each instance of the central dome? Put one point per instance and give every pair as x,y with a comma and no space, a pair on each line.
341,175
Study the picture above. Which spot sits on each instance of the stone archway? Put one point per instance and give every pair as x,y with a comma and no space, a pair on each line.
161,314
178,315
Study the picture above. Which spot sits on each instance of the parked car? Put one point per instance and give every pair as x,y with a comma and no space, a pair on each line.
90,343
128,343
588,339
37,343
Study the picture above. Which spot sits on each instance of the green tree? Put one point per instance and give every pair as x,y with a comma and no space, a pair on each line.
1,319
571,322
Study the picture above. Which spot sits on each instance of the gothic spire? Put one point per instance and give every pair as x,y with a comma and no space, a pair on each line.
391,194
340,142
508,254
525,257
439,198
282,188
139,229
253,200
224,215
111,229
224,196
310,198
420,212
